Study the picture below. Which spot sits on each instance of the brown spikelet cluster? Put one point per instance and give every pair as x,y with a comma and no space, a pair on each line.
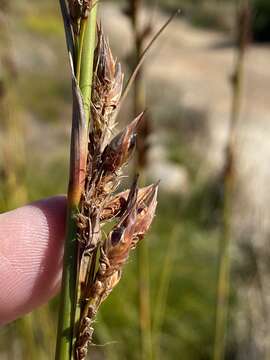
101,256
107,89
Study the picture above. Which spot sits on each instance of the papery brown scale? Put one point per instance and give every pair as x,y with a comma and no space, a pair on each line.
119,150
116,90
116,206
104,63
107,89
132,226
114,280
118,252
146,212
107,63
118,244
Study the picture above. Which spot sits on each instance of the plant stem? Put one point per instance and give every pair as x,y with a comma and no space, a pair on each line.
30,348
223,287
68,300
162,295
80,49
141,163
84,75
144,301
85,67
223,280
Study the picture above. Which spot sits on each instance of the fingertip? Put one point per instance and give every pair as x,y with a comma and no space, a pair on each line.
31,252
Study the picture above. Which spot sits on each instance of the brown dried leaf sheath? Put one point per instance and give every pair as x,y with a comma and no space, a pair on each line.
100,260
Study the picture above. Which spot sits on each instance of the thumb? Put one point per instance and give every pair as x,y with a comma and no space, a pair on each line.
31,252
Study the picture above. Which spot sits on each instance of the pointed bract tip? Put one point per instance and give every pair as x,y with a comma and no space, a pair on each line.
121,147
146,208
139,119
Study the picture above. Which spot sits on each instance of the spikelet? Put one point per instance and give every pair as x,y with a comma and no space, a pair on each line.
137,215
114,207
107,89
101,258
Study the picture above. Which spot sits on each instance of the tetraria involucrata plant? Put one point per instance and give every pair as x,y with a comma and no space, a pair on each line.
94,259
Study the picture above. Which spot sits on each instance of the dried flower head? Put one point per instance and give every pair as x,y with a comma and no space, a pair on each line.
107,89
101,257
137,215
119,150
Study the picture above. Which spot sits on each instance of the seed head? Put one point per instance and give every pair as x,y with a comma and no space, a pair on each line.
100,262
107,90
134,223
119,150
118,203
146,208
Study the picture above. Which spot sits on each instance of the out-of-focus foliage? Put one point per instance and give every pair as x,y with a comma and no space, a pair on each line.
220,14
203,13
261,20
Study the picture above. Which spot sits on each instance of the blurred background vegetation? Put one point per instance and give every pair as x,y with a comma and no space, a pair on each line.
188,93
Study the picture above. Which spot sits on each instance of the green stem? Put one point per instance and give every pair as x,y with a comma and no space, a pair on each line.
223,280
84,74
68,313
30,347
80,48
163,290
143,262
223,285
85,66
144,301
68,293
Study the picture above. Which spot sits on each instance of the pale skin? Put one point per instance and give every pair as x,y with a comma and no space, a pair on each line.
31,252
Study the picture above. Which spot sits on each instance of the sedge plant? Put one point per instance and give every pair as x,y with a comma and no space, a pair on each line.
94,258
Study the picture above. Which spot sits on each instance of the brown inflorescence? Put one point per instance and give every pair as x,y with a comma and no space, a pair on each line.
101,257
